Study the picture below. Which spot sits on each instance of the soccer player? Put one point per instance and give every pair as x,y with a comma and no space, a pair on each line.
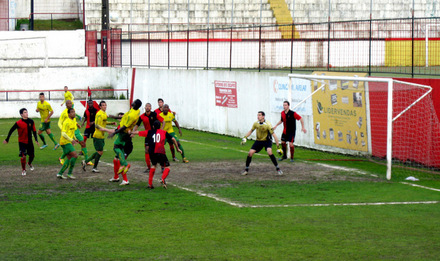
67,141
147,118
25,128
65,115
98,136
89,115
158,111
264,140
155,140
127,123
68,96
167,118
289,118
46,111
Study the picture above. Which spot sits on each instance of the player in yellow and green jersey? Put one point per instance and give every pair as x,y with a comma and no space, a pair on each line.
68,96
167,118
264,140
67,141
98,136
127,123
46,111
64,116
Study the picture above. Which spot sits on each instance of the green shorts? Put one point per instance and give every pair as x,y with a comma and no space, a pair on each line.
173,134
78,135
121,138
68,148
98,144
44,126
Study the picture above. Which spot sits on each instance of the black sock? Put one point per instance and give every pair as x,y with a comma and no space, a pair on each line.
248,162
274,160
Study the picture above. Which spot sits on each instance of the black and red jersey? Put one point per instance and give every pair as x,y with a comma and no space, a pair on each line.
155,140
25,129
147,120
90,114
289,121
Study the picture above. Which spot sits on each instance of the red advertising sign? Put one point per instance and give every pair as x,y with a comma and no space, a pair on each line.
226,94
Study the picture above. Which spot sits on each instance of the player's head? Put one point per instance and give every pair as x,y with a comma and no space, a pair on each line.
24,113
261,116
166,108
90,103
286,105
136,104
160,102
71,112
103,105
69,104
42,96
148,107
156,124
66,88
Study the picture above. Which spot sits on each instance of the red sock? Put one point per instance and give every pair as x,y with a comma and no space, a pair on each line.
173,153
116,165
292,151
23,162
147,160
85,138
165,173
150,177
124,176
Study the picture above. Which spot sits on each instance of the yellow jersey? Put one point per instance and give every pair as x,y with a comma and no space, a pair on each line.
68,97
64,115
167,120
129,119
264,130
44,109
69,127
100,120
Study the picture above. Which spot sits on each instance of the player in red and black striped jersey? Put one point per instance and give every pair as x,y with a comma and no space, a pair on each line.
160,103
289,118
89,116
155,143
25,128
147,119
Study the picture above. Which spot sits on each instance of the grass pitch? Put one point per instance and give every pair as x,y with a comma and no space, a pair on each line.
211,212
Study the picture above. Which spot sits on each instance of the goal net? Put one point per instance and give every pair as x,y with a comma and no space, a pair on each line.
389,122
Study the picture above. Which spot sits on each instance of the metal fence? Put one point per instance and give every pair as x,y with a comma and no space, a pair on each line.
391,46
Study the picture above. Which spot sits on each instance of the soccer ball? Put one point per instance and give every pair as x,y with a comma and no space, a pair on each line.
114,17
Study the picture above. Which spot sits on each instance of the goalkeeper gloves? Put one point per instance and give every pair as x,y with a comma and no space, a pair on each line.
279,150
243,141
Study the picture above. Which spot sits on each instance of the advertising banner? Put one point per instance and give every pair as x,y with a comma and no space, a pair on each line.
339,113
226,94
297,89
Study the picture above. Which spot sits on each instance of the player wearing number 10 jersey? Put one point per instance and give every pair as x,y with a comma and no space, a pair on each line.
155,142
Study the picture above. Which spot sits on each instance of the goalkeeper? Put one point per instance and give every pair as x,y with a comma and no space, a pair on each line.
264,140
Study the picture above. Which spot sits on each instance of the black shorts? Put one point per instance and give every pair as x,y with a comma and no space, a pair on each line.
128,147
89,131
259,145
159,158
288,137
26,149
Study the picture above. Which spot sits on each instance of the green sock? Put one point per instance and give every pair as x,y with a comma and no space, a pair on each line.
64,167
72,164
183,151
97,160
84,150
91,157
52,138
42,138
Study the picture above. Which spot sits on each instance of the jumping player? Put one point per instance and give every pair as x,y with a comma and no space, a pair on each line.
98,136
46,111
264,140
158,111
68,96
167,118
25,128
147,118
127,123
67,141
289,118
155,139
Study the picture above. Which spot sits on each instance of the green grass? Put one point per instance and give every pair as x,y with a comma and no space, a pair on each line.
82,221
44,25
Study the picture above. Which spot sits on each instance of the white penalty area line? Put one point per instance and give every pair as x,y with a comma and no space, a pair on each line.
223,148
242,205
420,186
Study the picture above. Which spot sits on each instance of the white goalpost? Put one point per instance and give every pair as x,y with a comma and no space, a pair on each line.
339,100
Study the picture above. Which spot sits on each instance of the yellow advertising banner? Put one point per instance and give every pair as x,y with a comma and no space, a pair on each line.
339,112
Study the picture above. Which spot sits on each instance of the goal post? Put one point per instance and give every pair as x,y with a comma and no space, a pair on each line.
410,97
